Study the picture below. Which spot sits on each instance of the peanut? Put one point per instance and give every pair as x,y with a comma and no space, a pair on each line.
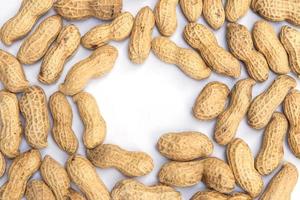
99,63
282,184
62,115
33,105
188,61
213,195
118,30
202,39
213,13
95,126
37,44
271,152
241,161
166,17
22,23
229,120
83,9
192,9
11,127
38,190
141,36
2,164
84,175
63,48
211,101
74,195
267,42
236,9
263,106
130,189
185,146
240,43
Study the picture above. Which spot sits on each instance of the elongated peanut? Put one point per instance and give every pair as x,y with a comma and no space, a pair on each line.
141,36
33,105
214,195
240,43
236,9
62,115
21,24
185,146
166,17
263,106
37,44
83,9
95,126
38,190
290,38
271,152
21,169
99,63
241,161
267,42
74,195
211,101
2,164
57,55
192,9
229,120
213,13
84,175
117,30
202,39
11,127
130,189
188,61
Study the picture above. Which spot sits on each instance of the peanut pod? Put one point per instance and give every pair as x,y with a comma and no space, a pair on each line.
214,13
236,9
38,190
213,195
192,9
74,195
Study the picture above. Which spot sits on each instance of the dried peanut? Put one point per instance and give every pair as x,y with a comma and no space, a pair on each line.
62,123
37,44
211,101
74,195
241,161
240,43
229,120
38,190
99,63
202,39
263,106
214,195
192,9
213,13
236,9
267,42
271,152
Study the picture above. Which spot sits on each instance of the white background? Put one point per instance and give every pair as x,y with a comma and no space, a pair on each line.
141,102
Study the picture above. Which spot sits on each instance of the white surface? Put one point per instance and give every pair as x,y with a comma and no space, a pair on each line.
141,102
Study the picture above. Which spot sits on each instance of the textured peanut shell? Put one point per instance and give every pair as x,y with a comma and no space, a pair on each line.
201,38
263,106
38,190
214,195
236,9
214,13
22,23
185,146
74,195
33,105
229,120
192,9
99,63
211,101
37,44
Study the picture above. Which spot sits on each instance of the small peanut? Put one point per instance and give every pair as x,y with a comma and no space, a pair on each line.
118,30
38,190
74,195
213,195
192,9
188,61
213,13
236,9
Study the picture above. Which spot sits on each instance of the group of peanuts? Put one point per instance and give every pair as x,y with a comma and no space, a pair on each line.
54,44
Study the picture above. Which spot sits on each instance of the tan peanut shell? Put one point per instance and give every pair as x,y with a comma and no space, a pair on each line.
240,43
185,146
22,23
166,17
271,152
74,195
37,44
57,55
241,161
131,189
267,42
95,126
236,9
211,101
99,63
11,127
214,13
62,116
201,38
38,190
84,175
229,120
187,60
214,195
2,165
263,106
141,36
192,9
84,9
